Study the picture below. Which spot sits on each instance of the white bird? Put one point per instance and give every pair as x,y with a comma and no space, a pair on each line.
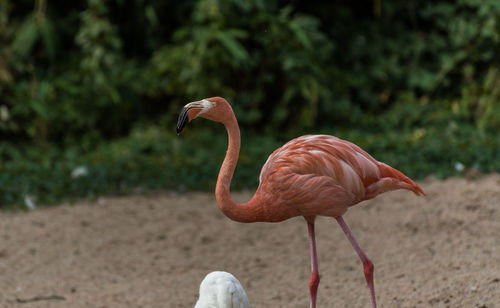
221,290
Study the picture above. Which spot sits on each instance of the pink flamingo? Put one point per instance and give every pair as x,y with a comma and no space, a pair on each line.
308,176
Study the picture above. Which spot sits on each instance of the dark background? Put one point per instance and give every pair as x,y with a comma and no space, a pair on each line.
90,90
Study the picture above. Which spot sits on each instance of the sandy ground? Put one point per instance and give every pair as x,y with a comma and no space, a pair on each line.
153,251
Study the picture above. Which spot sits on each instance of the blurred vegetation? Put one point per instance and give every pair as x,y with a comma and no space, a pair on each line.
90,90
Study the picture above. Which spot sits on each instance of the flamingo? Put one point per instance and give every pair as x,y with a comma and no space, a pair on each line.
309,176
221,290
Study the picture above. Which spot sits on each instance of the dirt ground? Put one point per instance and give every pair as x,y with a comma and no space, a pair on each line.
442,250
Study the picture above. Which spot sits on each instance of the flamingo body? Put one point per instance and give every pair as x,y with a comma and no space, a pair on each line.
221,290
321,175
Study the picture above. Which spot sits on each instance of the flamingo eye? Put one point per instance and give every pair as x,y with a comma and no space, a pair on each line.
206,104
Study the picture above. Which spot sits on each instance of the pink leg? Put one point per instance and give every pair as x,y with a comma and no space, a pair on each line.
367,264
314,282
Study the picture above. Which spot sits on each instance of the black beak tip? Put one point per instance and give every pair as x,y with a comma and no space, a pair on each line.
183,120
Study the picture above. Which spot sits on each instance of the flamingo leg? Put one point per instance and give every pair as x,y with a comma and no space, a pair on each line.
367,264
314,282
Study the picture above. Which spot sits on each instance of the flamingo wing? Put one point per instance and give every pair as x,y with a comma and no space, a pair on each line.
324,175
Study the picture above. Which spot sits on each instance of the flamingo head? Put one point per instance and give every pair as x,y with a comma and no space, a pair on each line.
215,108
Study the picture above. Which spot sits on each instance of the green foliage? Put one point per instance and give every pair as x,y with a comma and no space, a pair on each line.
36,27
99,84
271,64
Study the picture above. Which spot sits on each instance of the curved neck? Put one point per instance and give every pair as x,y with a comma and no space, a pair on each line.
247,212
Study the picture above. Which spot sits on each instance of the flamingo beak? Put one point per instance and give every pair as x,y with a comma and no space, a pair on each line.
188,113
183,119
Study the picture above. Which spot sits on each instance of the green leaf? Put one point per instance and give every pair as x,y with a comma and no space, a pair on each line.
47,34
232,46
300,33
25,37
